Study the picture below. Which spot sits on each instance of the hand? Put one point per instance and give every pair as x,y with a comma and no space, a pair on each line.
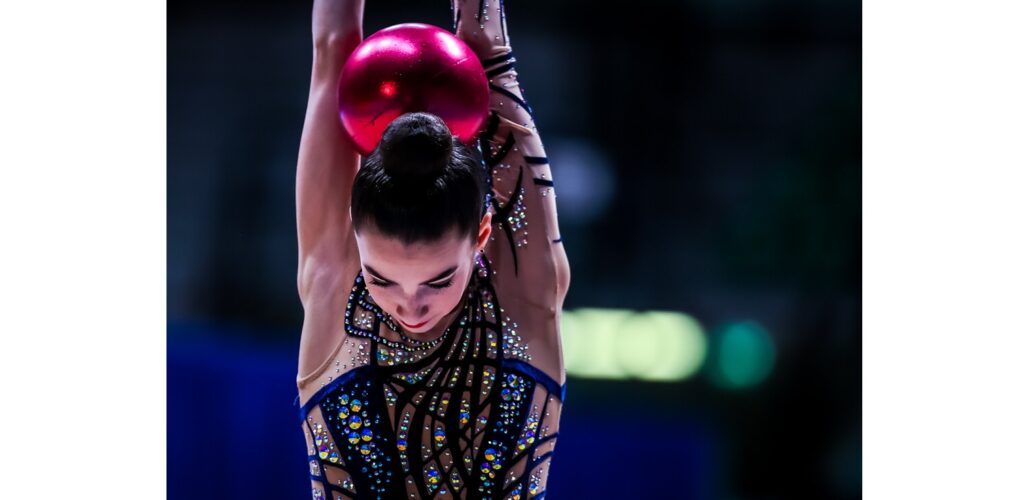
337,25
483,30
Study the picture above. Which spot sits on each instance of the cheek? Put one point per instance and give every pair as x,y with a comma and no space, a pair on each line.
381,299
448,296
443,300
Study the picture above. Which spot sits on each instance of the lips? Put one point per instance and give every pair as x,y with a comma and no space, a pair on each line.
407,325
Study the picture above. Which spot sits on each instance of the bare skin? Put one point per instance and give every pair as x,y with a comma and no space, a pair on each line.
417,283
327,165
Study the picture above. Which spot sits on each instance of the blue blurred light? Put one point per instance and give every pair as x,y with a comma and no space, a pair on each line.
584,179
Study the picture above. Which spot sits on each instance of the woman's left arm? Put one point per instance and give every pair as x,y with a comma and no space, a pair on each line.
525,222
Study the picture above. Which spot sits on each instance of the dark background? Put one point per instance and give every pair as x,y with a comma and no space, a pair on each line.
708,161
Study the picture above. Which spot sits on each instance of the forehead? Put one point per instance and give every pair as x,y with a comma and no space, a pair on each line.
386,252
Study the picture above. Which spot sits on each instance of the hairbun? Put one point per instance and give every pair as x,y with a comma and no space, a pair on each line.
415,147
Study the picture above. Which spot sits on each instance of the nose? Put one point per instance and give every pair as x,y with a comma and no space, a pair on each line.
413,313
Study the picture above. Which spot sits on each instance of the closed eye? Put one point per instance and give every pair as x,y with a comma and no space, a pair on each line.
382,284
376,279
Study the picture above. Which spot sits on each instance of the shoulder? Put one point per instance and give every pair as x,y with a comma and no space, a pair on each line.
341,363
530,323
324,301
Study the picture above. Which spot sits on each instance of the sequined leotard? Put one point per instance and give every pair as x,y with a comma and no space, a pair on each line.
473,414
468,418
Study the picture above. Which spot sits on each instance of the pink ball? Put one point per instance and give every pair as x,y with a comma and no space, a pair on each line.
406,68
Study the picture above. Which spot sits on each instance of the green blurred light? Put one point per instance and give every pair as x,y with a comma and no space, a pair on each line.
587,337
661,346
745,355
619,344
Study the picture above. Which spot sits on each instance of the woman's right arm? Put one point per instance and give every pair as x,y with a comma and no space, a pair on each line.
326,167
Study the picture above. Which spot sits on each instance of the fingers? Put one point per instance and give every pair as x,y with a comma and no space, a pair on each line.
481,24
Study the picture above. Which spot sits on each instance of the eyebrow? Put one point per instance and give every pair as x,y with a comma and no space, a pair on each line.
443,274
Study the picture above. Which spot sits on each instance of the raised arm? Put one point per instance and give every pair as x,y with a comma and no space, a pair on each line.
327,162
527,239
326,168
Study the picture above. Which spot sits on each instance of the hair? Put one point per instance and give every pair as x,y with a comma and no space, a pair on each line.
419,183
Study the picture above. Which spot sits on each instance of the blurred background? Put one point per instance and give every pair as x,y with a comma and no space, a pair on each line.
707,155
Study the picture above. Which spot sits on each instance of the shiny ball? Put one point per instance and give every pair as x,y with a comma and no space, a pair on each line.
406,68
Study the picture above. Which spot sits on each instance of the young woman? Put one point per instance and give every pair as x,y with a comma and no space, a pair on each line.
432,280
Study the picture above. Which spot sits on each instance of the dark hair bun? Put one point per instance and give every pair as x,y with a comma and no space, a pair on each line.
415,147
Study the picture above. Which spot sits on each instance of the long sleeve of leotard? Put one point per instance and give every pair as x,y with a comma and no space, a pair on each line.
526,243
